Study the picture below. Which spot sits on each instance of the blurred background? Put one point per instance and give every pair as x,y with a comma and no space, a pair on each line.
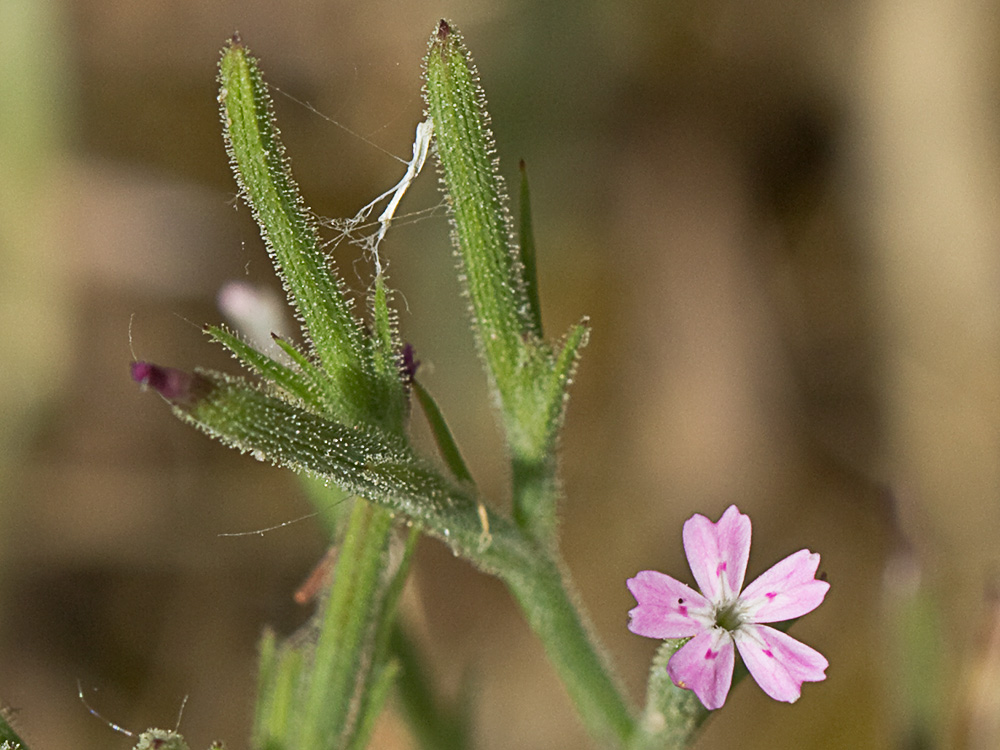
781,218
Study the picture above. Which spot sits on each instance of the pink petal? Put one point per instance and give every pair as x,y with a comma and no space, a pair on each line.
705,665
718,553
667,608
787,589
778,662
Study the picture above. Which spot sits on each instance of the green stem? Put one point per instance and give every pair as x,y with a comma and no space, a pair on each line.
345,651
543,591
535,492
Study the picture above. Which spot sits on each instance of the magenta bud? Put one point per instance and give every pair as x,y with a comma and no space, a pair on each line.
171,383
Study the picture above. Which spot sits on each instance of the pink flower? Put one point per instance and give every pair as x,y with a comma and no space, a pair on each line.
720,617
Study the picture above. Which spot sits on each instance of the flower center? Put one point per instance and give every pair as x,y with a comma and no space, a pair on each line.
728,616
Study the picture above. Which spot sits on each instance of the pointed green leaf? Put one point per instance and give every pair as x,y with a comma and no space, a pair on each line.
446,444
561,378
526,241
345,649
322,390
533,436
278,689
289,231
364,461
385,352
270,370
478,203
435,724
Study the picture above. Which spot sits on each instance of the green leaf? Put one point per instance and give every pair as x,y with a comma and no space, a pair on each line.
478,203
324,686
290,233
376,698
385,353
533,435
280,675
365,461
526,241
446,445
329,710
530,376
270,370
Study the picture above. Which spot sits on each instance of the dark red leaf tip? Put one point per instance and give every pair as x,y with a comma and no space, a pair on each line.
172,384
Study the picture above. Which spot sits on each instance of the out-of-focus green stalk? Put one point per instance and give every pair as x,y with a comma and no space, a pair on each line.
331,704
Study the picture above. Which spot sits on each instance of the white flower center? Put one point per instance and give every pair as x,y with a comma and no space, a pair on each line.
729,615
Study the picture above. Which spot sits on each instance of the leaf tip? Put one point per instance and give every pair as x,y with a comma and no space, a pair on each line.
235,41
444,30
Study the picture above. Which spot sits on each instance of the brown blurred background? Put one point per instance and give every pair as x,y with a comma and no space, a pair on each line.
782,219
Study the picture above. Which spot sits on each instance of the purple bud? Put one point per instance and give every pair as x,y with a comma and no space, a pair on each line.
174,385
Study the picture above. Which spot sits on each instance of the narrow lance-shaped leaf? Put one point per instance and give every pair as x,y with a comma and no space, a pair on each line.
436,724
476,197
446,445
365,461
401,555
279,673
530,376
265,179
344,656
385,354
381,687
533,435
526,242
270,370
